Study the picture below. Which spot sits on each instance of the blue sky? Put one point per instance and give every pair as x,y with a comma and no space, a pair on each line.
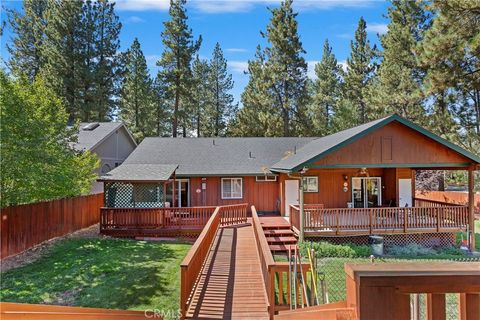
236,25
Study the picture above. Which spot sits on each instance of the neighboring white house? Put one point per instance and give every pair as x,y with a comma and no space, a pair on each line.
110,141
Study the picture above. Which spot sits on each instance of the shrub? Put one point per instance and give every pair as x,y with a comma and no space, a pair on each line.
325,249
411,250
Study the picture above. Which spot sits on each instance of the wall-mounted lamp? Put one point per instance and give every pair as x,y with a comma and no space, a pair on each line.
304,170
345,177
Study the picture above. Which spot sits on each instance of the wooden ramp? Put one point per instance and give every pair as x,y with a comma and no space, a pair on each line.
231,284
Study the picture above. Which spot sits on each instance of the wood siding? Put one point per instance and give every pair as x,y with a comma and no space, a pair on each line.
393,144
330,185
263,195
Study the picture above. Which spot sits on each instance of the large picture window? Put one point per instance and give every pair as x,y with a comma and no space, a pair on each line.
232,188
310,184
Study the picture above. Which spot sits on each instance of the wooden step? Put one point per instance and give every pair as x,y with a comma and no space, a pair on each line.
281,240
278,248
275,227
278,232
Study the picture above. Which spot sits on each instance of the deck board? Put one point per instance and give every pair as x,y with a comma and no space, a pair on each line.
231,284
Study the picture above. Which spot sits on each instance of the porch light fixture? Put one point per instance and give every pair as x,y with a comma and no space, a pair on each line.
363,171
345,177
304,170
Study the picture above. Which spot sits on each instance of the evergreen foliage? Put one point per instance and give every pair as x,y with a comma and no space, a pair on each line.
175,64
138,107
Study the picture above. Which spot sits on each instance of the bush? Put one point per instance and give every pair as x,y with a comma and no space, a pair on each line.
411,250
325,249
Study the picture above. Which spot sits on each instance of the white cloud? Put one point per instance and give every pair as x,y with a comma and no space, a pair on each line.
134,19
236,50
343,64
142,5
225,6
379,28
238,66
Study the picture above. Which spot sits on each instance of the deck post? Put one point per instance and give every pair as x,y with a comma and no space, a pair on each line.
471,208
302,212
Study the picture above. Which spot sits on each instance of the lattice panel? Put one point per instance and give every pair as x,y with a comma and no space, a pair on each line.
424,239
133,195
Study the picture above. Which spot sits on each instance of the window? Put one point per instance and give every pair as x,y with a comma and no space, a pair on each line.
265,178
145,193
106,168
310,184
232,188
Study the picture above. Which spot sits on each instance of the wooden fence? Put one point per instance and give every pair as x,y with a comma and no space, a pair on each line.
27,225
450,197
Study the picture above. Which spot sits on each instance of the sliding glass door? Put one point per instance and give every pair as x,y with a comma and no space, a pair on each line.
182,193
366,192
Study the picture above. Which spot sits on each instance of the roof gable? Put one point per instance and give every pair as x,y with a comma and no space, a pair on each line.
325,146
90,139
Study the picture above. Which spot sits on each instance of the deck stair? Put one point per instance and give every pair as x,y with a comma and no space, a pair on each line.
279,233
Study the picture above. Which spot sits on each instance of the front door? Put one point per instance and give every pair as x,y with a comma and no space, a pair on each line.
291,194
366,192
405,192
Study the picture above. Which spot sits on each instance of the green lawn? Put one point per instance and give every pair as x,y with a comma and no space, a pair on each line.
104,273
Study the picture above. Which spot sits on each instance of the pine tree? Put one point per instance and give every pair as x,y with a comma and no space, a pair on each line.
137,101
222,109
26,57
277,89
64,61
107,67
258,117
175,63
398,86
163,125
450,51
360,70
327,91
201,97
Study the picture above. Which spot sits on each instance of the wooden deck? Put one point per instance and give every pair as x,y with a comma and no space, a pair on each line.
231,285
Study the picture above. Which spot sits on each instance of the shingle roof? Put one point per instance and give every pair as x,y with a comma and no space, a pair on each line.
215,156
89,139
140,172
321,147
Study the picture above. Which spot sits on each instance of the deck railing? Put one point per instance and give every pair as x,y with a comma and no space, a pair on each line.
393,283
381,220
427,203
234,214
266,261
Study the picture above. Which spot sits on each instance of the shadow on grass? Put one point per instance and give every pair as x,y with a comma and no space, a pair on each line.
106,273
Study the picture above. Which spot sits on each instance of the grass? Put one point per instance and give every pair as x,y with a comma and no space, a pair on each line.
103,273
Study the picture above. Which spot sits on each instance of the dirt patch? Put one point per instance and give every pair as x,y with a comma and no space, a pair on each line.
43,248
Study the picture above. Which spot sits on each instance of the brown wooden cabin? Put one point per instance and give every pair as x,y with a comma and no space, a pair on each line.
356,182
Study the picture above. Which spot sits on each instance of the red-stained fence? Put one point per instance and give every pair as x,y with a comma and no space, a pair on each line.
27,225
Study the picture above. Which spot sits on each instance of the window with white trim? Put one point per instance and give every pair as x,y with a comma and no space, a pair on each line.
265,178
310,184
232,188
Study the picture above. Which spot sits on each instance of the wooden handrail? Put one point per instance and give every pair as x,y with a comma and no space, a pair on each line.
422,202
233,214
266,261
17,311
192,264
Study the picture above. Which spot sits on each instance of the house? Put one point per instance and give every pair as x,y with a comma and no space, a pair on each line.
353,183
110,141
